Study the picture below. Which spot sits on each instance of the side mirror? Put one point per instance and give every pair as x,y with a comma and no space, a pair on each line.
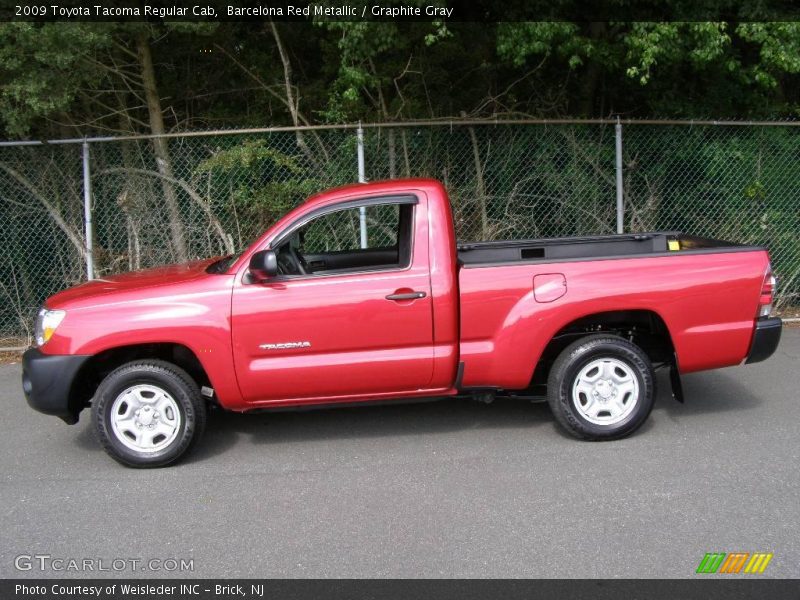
264,264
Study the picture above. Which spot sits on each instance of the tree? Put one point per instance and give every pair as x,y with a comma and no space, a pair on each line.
46,70
691,69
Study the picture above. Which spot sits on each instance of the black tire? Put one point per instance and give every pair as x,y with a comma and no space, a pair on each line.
567,369
155,374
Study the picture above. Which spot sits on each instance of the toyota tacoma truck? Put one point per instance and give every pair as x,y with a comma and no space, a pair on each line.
362,293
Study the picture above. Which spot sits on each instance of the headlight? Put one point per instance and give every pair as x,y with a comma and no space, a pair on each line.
46,323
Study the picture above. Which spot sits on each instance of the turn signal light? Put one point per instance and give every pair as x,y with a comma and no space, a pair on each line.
767,293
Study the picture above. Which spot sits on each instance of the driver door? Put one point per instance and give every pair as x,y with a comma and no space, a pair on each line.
356,322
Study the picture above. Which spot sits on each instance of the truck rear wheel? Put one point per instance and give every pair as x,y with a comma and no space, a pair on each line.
148,413
601,387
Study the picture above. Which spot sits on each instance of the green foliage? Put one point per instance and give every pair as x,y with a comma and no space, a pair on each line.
43,69
649,44
259,179
250,154
518,41
82,78
372,57
779,52
690,69
75,72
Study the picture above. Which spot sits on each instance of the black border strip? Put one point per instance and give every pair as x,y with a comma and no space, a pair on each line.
697,588
484,11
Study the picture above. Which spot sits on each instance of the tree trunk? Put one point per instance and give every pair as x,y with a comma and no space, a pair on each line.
480,184
161,148
292,102
130,200
591,78
390,139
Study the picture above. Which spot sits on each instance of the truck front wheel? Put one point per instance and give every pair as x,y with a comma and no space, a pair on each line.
601,387
148,413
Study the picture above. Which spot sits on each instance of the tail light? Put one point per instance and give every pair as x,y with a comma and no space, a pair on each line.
767,293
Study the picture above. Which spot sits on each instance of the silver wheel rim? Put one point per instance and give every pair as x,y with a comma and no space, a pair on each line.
605,391
145,418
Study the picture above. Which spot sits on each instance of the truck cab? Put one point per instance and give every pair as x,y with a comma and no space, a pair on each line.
341,317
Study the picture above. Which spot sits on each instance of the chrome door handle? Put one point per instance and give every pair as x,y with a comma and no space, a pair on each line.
406,296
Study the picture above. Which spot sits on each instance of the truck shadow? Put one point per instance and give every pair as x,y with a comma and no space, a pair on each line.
224,429
436,417
707,392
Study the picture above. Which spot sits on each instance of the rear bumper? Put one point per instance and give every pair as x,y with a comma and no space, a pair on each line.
47,380
765,339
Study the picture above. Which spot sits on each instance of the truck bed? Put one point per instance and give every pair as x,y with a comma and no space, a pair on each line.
588,247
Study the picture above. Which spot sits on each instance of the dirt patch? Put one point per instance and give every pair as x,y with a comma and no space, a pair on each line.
11,349
791,312
10,358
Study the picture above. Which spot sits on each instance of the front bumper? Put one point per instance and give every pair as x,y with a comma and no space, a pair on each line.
47,380
765,339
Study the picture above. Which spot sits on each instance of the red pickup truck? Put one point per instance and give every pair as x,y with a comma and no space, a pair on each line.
317,313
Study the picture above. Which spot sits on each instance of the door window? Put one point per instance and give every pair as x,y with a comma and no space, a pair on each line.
333,243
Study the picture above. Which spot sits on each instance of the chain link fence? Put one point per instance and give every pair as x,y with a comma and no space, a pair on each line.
158,201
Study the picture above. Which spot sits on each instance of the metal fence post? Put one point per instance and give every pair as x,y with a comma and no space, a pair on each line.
362,178
618,152
87,212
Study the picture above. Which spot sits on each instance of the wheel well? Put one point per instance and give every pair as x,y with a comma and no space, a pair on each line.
644,328
98,366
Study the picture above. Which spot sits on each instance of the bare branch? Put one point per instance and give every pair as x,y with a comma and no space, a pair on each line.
55,214
199,200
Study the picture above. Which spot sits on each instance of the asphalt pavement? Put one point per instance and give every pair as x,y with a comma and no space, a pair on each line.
445,489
